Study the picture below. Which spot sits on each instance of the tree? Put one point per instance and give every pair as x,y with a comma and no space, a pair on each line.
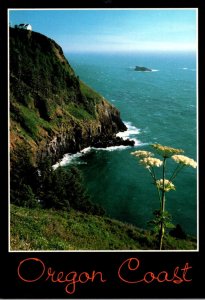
64,188
60,189
22,177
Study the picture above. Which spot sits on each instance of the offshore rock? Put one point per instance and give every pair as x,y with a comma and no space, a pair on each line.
142,69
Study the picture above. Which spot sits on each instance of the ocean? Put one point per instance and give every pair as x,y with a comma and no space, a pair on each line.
157,107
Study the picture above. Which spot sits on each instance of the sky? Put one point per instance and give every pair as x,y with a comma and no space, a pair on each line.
114,30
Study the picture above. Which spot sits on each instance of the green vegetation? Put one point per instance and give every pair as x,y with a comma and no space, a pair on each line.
45,94
38,229
52,112
79,112
42,186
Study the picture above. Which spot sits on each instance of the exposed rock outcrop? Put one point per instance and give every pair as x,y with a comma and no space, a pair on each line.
50,108
142,69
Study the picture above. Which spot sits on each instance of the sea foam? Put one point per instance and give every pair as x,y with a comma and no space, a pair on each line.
130,133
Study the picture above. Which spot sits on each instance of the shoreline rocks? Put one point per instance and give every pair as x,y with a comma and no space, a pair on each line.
115,141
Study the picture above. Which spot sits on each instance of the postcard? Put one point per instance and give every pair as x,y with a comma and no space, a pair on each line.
101,143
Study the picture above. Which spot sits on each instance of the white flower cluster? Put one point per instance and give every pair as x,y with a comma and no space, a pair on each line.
166,151
141,153
184,160
151,162
167,186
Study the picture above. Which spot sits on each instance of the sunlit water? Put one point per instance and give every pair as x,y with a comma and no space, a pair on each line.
157,107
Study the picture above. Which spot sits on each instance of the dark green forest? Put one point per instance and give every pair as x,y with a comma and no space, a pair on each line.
42,186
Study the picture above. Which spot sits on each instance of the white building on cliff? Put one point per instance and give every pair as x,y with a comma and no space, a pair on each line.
24,26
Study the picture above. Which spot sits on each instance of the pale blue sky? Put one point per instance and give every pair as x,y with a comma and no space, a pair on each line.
114,30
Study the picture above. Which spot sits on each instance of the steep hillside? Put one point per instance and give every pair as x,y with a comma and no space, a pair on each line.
51,110
37,229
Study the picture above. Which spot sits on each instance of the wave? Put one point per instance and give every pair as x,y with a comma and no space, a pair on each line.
67,159
185,68
130,133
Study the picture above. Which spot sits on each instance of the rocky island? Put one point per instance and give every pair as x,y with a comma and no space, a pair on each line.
142,69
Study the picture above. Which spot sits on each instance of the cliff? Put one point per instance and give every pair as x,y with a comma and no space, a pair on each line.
51,109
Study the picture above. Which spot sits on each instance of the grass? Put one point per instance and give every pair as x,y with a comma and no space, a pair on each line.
31,122
78,112
39,229
90,93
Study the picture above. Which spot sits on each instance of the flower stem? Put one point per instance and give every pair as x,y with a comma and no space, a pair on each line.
163,189
176,171
158,190
162,229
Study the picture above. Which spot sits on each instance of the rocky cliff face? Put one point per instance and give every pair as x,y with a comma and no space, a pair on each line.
50,108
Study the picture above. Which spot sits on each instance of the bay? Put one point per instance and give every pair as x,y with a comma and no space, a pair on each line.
157,107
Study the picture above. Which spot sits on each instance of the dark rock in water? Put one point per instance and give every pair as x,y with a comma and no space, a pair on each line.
142,69
115,141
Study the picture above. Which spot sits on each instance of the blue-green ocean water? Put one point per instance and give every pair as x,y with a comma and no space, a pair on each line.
158,107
